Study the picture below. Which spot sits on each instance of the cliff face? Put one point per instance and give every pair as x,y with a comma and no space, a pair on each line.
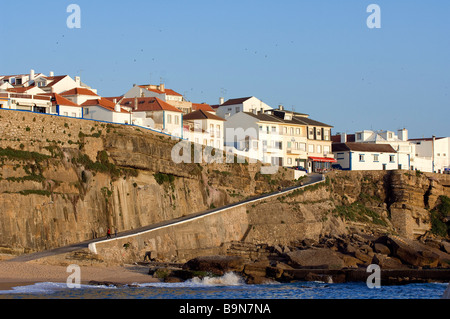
65,180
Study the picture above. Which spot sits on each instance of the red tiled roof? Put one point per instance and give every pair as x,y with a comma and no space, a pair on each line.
79,91
148,104
59,100
20,89
202,115
203,106
105,103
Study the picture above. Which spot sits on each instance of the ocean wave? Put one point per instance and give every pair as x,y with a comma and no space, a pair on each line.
228,279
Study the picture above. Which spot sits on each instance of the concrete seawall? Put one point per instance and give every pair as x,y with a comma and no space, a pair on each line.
206,234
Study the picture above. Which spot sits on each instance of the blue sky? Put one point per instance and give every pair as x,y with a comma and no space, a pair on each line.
316,57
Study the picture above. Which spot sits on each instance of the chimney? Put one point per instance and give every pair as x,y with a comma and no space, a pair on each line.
32,74
343,137
135,103
117,108
162,88
281,107
78,80
403,134
52,73
221,101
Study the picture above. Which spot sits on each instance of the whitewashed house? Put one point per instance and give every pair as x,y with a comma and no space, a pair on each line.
80,95
247,104
102,109
65,107
364,156
154,113
256,136
432,154
26,102
203,127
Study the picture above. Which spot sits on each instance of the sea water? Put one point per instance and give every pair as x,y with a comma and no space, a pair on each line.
229,286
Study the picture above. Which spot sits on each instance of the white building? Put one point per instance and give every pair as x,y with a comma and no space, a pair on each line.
405,150
79,95
64,106
364,156
246,104
102,109
256,136
432,154
26,102
154,113
205,128
150,90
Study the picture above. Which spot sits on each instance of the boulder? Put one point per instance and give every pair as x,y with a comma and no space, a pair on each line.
417,254
218,265
386,262
366,258
257,269
381,249
445,247
351,262
315,258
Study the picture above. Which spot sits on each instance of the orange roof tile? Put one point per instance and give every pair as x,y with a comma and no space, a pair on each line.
79,91
105,103
166,91
202,106
148,104
59,100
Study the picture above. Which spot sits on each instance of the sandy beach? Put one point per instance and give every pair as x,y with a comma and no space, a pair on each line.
14,274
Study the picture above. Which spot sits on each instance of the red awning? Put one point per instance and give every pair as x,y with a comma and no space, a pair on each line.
323,159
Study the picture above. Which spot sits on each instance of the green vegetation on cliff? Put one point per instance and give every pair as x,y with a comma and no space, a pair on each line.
438,215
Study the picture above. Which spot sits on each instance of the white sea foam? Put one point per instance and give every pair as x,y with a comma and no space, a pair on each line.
45,288
228,279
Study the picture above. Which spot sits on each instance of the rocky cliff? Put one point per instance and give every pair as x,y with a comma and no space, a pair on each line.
64,181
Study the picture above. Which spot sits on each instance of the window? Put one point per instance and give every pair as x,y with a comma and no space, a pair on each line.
65,114
326,149
392,158
218,131
86,111
361,157
311,148
375,157
311,133
359,136
302,147
289,145
169,119
298,131
274,129
74,114
289,161
237,109
260,128
340,156
177,119
211,130
292,131
319,149
285,130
